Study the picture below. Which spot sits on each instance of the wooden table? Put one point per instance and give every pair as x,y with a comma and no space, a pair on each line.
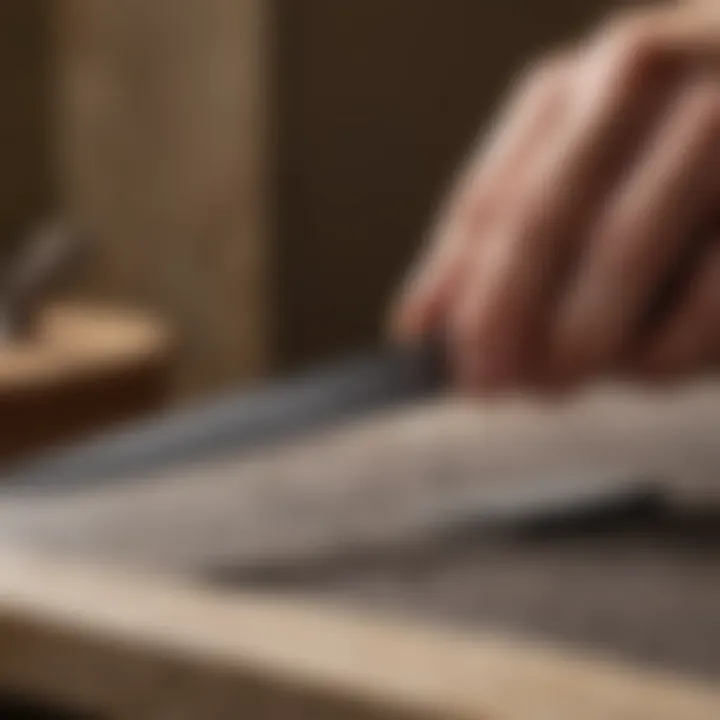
110,599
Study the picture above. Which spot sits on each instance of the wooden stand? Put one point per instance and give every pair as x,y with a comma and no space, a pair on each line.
84,369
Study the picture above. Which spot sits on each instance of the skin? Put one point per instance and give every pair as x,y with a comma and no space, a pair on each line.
568,220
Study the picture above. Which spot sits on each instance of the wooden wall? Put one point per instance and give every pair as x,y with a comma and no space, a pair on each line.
163,158
260,171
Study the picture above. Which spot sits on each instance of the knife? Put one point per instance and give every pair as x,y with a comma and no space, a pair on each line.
280,411
245,420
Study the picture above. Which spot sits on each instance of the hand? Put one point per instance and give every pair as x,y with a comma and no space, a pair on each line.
568,222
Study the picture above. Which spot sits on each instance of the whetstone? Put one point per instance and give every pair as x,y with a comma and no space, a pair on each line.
148,646
400,476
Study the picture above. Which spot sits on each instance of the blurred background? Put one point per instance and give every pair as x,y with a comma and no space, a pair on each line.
252,176
257,173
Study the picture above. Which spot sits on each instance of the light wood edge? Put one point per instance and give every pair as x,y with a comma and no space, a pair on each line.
111,339
149,647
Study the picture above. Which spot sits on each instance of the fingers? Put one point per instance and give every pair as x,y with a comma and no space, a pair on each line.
566,224
640,237
524,255
690,339
524,129
670,32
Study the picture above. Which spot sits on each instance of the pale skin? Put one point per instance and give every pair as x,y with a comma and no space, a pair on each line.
567,221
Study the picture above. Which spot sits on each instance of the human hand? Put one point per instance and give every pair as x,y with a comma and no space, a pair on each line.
569,221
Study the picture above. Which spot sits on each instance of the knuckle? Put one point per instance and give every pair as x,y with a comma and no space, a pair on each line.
630,49
627,32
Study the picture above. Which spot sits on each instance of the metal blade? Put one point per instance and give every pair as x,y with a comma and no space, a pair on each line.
243,421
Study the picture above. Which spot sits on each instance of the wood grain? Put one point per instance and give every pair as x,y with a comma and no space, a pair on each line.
145,648
135,644
164,159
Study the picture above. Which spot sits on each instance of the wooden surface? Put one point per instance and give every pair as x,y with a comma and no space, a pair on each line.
643,590
143,648
86,367
176,644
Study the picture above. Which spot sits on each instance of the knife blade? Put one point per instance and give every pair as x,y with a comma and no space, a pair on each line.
245,420
280,411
